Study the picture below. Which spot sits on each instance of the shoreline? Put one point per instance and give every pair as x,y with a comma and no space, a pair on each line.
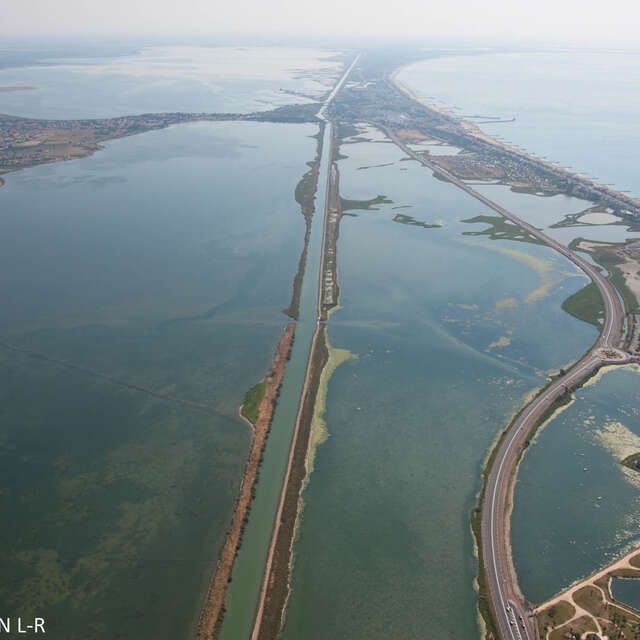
497,578
31,142
279,583
275,589
276,584
212,610
305,195
626,205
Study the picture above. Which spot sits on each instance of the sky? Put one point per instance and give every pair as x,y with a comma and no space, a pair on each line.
597,23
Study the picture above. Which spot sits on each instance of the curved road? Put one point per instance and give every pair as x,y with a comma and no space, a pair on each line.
510,612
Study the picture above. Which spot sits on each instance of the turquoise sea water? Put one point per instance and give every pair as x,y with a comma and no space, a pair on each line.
163,262
441,325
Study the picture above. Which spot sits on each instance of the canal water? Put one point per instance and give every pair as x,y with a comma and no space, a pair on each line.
441,323
243,592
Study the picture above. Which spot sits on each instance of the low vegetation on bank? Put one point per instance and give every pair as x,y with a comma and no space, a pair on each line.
252,401
586,305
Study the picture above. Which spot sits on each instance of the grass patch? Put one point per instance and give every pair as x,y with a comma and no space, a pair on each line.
364,205
575,629
586,305
252,400
606,256
411,221
556,615
500,229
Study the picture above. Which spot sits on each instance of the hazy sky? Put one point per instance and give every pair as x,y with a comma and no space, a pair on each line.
596,22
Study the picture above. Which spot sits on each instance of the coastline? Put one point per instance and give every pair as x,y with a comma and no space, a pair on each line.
212,610
29,142
583,187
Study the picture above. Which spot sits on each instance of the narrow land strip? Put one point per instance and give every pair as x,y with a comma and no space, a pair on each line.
274,591
268,617
213,609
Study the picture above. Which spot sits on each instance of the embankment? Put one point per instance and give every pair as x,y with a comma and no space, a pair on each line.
213,606
277,578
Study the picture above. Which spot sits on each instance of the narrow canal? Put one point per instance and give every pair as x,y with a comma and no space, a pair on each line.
244,590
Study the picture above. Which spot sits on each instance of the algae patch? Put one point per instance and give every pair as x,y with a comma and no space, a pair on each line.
618,440
506,303
548,274
503,341
319,432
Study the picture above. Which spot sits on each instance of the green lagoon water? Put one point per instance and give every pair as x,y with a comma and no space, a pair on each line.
163,261
447,349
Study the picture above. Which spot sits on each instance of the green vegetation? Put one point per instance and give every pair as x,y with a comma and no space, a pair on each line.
483,601
404,219
605,255
609,260
376,166
534,191
305,196
574,630
364,205
252,400
500,229
586,305
556,615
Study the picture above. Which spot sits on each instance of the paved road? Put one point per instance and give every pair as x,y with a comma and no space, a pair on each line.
327,153
322,114
510,612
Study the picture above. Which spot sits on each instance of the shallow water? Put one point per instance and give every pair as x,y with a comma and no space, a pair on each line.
446,352
163,262
176,78
248,570
562,535
547,212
